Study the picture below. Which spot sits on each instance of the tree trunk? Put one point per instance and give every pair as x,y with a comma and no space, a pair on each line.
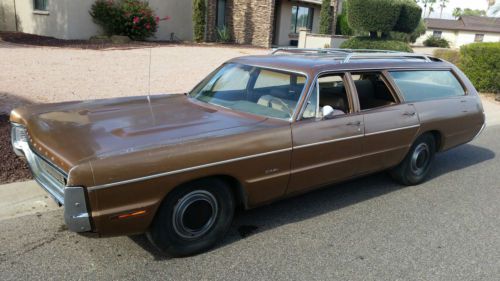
384,35
373,35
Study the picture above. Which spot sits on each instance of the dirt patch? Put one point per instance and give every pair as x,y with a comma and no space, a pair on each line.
46,41
12,168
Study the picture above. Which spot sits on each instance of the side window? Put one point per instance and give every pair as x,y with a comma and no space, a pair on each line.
372,90
425,85
329,91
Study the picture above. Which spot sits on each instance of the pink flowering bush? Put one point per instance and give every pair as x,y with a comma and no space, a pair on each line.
132,18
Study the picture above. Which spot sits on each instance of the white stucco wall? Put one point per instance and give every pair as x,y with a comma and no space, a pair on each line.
459,38
70,19
7,15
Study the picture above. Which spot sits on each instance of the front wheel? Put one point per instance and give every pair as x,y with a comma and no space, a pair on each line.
415,166
193,218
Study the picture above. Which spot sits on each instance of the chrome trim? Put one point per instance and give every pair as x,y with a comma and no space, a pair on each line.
328,141
292,117
393,130
76,215
186,169
482,128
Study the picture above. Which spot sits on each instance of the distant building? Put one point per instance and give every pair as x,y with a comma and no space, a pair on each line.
465,30
257,22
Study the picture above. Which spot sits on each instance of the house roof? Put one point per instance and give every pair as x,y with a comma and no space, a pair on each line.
466,23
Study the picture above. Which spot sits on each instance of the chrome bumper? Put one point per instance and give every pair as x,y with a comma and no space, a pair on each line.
50,178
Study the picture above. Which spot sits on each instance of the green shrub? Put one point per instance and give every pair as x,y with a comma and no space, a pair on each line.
342,25
223,34
378,44
410,37
373,15
325,18
481,63
452,56
432,41
132,18
199,11
409,17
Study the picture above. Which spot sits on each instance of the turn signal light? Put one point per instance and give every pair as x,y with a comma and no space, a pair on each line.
137,213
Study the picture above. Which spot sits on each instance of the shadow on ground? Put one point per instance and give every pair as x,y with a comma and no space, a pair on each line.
331,198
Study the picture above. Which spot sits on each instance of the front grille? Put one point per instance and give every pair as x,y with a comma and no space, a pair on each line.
50,178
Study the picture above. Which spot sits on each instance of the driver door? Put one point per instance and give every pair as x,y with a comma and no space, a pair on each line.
326,149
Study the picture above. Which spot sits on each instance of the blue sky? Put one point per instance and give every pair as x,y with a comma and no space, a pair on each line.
452,4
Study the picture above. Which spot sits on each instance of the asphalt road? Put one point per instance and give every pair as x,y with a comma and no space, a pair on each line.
368,229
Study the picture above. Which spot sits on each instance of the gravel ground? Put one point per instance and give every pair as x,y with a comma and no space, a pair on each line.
49,74
12,168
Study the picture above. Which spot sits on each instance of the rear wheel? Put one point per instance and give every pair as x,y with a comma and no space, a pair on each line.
415,166
193,218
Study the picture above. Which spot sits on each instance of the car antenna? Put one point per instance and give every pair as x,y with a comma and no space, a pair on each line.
149,87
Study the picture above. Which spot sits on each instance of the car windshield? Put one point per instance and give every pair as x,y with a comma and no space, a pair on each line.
252,89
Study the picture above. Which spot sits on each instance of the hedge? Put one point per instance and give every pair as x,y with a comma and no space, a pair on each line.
373,15
199,14
481,63
432,41
409,17
452,56
378,44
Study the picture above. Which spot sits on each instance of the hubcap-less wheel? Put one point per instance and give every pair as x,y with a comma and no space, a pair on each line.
194,214
420,159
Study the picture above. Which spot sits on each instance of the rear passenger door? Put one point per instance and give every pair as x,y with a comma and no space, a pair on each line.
390,126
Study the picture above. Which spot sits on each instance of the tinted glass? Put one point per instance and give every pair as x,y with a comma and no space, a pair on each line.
252,89
425,85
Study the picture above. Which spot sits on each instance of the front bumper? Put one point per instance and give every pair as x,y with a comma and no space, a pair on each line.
53,180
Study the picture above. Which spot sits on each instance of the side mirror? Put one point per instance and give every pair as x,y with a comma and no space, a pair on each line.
327,111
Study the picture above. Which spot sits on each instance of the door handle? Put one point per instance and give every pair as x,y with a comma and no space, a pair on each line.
408,113
354,123
463,101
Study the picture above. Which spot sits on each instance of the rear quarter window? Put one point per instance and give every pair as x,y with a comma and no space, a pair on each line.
421,85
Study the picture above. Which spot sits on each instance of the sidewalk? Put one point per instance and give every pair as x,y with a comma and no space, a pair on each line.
24,198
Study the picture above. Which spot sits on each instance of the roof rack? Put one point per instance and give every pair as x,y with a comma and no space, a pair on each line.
346,55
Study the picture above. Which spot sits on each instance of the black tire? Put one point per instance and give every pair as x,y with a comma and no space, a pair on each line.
416,164
193,218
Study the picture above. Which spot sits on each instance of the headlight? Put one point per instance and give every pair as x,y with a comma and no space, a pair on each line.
18,136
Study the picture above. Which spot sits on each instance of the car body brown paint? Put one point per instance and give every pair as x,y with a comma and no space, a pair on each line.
131,152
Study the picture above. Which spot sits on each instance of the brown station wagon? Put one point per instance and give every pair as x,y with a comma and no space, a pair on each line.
257,129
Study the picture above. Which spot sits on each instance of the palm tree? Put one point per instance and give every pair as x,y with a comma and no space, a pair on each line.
427,3
442,4
457,12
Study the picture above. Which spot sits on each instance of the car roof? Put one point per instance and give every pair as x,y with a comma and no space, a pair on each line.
312,61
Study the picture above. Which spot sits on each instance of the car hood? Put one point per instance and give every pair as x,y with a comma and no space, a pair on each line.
77,131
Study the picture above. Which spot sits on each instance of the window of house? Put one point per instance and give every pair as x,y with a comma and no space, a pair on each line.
437,34
302,17
479,38
221,13
425,85
40,5
372,90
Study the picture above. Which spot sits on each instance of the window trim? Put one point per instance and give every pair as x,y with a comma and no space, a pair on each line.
437,31
481,35
42,11
310,21
451,70
353,103
292,71
392,90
